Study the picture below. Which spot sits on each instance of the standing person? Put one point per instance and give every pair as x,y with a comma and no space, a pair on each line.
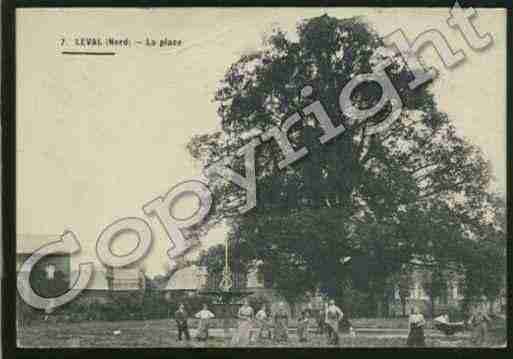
321,324
416,336
479,321
263,323
281,322
181,322
302,326
243,334
204,316
333,317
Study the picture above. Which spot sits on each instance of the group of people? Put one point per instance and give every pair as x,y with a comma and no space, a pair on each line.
267,326
276,326
204,316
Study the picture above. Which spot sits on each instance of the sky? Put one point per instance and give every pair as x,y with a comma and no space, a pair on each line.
100,136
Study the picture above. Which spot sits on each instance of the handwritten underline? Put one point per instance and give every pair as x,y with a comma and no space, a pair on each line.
88,53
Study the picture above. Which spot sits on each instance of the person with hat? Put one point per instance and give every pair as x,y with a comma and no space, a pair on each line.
181,322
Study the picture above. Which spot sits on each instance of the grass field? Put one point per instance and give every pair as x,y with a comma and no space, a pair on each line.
162,334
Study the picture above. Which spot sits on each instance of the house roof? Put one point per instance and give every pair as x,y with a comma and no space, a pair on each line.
124,273
29,243
100,277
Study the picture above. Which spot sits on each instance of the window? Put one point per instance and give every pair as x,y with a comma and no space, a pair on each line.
50,271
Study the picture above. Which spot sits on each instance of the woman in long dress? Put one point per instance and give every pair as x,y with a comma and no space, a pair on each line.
333,316
204,317
263,323
479,321
321,318
243,334
416,336
281,322
302,326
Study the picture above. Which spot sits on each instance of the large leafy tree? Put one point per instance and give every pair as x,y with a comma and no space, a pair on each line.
384,198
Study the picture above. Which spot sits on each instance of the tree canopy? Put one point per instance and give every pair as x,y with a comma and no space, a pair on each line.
417,190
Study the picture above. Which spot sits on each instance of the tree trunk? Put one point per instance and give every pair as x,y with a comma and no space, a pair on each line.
376,302
432,300
379,297
379,309
386,306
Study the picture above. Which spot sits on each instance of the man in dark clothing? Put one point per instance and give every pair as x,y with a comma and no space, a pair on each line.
321,319
181,323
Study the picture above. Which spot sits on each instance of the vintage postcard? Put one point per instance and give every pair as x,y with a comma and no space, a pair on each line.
261,177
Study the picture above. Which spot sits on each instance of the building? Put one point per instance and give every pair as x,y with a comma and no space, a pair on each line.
451,296
97,291
195,278
190,278
109,286
125,279
50,276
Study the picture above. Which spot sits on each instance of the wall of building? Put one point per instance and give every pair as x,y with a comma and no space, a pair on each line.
452,297
125,279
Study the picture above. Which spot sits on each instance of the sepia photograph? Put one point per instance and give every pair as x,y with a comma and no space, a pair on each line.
265,177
